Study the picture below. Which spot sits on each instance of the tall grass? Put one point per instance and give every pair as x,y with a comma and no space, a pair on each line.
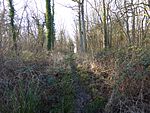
24,98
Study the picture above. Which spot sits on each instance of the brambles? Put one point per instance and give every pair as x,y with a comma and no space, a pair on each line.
42,86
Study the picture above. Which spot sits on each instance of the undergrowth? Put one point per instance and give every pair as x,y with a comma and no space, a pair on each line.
116,81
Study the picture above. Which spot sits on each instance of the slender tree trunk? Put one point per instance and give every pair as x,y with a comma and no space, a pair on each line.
110,34
127,23
1,26
48,24
53,25
80,30
12,14
2,21
41,36
133,23
109,29
142,27
83,27
106,39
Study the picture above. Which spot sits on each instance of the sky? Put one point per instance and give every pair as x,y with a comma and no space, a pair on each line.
63,15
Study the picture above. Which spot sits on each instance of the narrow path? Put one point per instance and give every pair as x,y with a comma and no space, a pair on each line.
81,96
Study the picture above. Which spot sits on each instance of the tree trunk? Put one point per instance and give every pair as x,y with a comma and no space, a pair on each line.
12,14
106,39
80,30
48,25
83,27
133,24
53,25
127,23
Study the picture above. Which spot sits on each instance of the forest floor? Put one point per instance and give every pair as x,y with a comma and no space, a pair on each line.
68,83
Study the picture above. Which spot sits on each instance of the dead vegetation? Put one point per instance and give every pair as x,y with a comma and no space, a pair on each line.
105,84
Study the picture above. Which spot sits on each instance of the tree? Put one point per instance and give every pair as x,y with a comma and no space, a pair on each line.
133,21
83,27
106,39
12,15
50,24
40,28
103,19
53,24
82,30
2,21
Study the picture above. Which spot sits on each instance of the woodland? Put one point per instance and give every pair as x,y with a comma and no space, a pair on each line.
104,68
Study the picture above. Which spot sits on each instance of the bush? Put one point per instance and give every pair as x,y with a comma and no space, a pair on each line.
95,105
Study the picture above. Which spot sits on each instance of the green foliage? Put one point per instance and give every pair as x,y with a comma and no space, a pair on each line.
23,99
66,96
84,75
27,55
133,61
31,56
27,100
95,105
50,25
41,37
